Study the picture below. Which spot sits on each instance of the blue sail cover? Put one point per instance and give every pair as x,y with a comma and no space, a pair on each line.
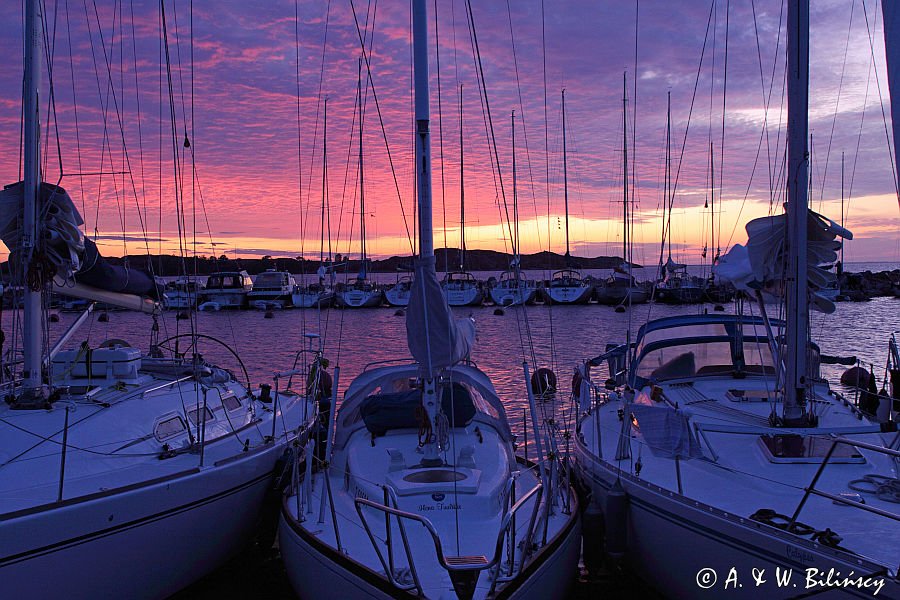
435,338
74,256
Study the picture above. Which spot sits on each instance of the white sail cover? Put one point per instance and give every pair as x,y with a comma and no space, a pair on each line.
762,262
435,338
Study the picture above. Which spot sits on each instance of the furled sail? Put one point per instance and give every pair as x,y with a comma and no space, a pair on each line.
435,338
71,257
762,262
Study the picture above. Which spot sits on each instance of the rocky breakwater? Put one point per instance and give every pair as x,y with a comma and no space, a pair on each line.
867,285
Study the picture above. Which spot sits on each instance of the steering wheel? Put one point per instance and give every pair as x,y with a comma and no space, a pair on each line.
190,349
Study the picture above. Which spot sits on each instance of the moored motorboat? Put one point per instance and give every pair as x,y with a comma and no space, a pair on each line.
228,289
272,289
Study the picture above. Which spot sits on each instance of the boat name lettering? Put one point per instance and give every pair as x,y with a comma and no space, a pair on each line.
439,506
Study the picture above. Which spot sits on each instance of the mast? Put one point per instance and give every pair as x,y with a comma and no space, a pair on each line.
324,180
423,135
515,199
363,270
565,176
625,260
34,54
462,187
797,341
668,202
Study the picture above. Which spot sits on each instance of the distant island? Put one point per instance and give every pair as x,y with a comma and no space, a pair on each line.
476,260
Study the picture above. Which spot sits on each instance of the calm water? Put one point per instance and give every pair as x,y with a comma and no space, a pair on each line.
557,337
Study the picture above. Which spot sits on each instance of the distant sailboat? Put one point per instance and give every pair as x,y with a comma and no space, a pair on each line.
675,284
567,286
460,287
513,288
321,293
360,292
621,289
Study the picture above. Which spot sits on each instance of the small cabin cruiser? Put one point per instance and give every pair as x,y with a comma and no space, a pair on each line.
228,289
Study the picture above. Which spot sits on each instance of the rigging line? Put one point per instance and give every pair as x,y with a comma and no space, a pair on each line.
764,132
837,102
553,364
120,121
304,208
137,98
370,81
49,56
75,109
487,107
716,233
512,38
487,134
437,46
862,120
887,136
300,215
690,111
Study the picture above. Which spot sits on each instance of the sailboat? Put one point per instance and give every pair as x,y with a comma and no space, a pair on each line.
420,494
360,292
123,473
675,285
320,294
620,288
400,292
513,288
460,287
567,286
721,438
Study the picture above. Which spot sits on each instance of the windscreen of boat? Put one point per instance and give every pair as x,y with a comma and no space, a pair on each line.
273,280
699,349
224,281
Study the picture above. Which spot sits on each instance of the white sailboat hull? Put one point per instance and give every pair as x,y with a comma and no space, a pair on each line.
141,541
568,294
397,297
317,571
312,299
659,520
470,296
512,296
360,299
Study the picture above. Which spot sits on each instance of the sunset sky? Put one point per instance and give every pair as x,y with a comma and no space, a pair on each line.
234,89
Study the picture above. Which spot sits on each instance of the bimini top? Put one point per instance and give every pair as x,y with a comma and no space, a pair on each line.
700,345
385,399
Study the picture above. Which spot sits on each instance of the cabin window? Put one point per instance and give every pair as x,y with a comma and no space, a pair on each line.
231,403
169,427
193,415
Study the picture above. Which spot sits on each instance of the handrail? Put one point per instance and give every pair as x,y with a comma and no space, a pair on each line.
811,488
435,537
